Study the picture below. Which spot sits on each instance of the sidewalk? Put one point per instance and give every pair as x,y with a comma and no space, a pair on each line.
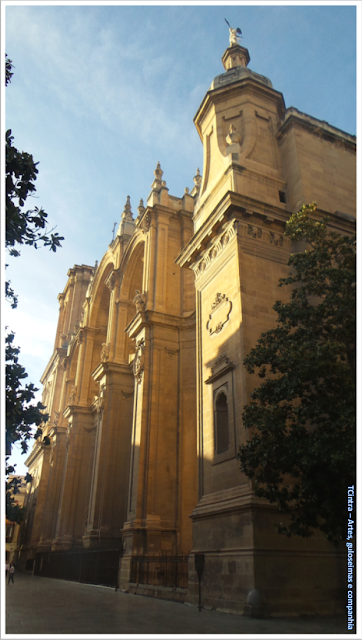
38,606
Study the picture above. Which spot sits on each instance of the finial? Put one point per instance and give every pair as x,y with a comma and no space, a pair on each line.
234,35
140,209
127,212
187,190
158,172
198,178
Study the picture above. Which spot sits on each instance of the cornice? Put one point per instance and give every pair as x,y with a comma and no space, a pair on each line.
105,368
59,352
320,128
35,453
72,410
157,318
231,205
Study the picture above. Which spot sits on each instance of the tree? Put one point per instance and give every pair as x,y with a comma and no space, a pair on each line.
21,416
301,452
22,227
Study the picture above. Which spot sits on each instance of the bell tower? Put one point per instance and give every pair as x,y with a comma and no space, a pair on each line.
255,174
237,123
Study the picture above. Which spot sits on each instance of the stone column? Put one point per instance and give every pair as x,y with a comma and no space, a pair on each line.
76,479
110,468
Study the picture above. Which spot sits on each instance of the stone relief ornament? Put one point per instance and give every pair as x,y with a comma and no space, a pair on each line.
51,453
67,438
110,282
145,223
276,239
91,280
217,245
255,232
99,399
105,352
56,418
233,137
220,312
219,298
73,394
139,359
139,300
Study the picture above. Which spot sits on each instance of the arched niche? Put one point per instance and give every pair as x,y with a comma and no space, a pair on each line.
72,393
133,279
99,310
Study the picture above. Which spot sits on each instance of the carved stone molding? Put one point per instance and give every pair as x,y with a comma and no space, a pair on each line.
170,353
221,366
126,395
90,429
139,359
216,247
268,236
220,312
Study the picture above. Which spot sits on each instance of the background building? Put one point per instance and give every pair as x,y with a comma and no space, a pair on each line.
145,387
13,530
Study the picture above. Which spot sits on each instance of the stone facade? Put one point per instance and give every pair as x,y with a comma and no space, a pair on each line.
146,385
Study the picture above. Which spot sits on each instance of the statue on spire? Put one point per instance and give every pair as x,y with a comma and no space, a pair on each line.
234,37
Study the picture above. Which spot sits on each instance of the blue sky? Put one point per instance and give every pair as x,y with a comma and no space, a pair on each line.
101,93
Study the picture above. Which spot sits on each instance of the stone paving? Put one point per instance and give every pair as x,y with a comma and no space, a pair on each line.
38,606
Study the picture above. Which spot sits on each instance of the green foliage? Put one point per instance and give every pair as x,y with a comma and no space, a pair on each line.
8,69
24,227
21,416
27,227
302,418
14,512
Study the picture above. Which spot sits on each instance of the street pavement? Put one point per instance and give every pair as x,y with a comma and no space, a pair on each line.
46,606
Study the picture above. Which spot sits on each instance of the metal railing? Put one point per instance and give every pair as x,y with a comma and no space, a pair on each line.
165,571
98,566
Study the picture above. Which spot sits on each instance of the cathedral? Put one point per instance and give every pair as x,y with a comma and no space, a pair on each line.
146,385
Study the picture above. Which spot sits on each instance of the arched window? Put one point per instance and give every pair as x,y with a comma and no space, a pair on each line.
221,417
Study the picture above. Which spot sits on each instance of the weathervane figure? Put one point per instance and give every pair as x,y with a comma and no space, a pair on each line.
234,34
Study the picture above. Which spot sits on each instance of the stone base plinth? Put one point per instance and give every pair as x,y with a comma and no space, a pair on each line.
251,570
163,593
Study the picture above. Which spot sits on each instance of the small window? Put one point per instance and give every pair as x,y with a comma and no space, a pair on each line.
221,423
282,197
